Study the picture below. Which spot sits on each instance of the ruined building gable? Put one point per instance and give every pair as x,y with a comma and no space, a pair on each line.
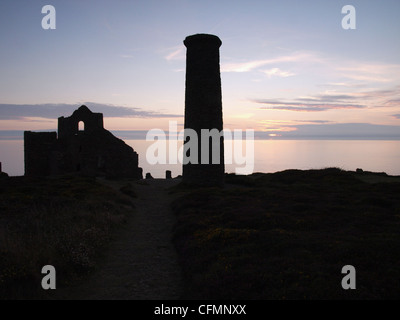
70,126
90,150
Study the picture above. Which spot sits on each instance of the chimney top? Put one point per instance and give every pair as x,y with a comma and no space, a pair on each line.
202,38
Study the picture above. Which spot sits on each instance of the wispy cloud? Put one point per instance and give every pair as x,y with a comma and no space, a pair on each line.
276,72
349,84
304,107
280,126
354,131
332,99
175,53
313,121
370,71
126,56
252,65
392,103
397,116
53,111
243,66
277,125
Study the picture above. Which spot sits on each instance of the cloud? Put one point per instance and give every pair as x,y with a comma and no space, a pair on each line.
335,96
176,53
397,116
313,121
243,116
392,103
280,126
334,131
305,107
277,125
251,65
243,66
53,111
126,56
278,73
332,99
342,84
370,72
359,74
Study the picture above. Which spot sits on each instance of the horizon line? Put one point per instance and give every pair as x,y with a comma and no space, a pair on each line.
17,135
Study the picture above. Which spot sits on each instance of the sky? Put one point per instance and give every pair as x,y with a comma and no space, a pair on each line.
288,68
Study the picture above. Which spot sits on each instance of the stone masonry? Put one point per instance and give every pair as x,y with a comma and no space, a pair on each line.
93,151
203,106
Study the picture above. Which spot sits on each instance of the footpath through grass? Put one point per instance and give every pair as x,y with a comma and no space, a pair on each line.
287,235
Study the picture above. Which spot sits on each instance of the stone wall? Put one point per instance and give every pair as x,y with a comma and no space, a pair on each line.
93,151
69,126
38,147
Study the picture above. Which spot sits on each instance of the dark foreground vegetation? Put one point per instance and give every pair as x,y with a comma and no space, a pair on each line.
66,222
287,235
284,235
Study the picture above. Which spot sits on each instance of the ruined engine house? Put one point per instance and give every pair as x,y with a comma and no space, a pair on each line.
82,146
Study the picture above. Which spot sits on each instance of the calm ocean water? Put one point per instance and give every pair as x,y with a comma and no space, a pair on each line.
269,156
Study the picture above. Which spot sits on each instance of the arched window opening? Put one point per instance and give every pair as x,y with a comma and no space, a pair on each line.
81,126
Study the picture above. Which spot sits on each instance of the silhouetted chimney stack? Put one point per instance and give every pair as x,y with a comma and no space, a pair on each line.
203,106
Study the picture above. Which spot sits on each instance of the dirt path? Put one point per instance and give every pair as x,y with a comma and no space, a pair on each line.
142,262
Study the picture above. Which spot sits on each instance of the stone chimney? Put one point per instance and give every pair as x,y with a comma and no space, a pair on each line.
203,110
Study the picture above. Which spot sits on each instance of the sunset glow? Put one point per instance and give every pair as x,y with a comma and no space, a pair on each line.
289,69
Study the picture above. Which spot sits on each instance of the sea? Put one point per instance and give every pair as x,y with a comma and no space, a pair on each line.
268,156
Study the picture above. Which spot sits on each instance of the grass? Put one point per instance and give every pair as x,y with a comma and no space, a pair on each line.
287,235
284,235
66,222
